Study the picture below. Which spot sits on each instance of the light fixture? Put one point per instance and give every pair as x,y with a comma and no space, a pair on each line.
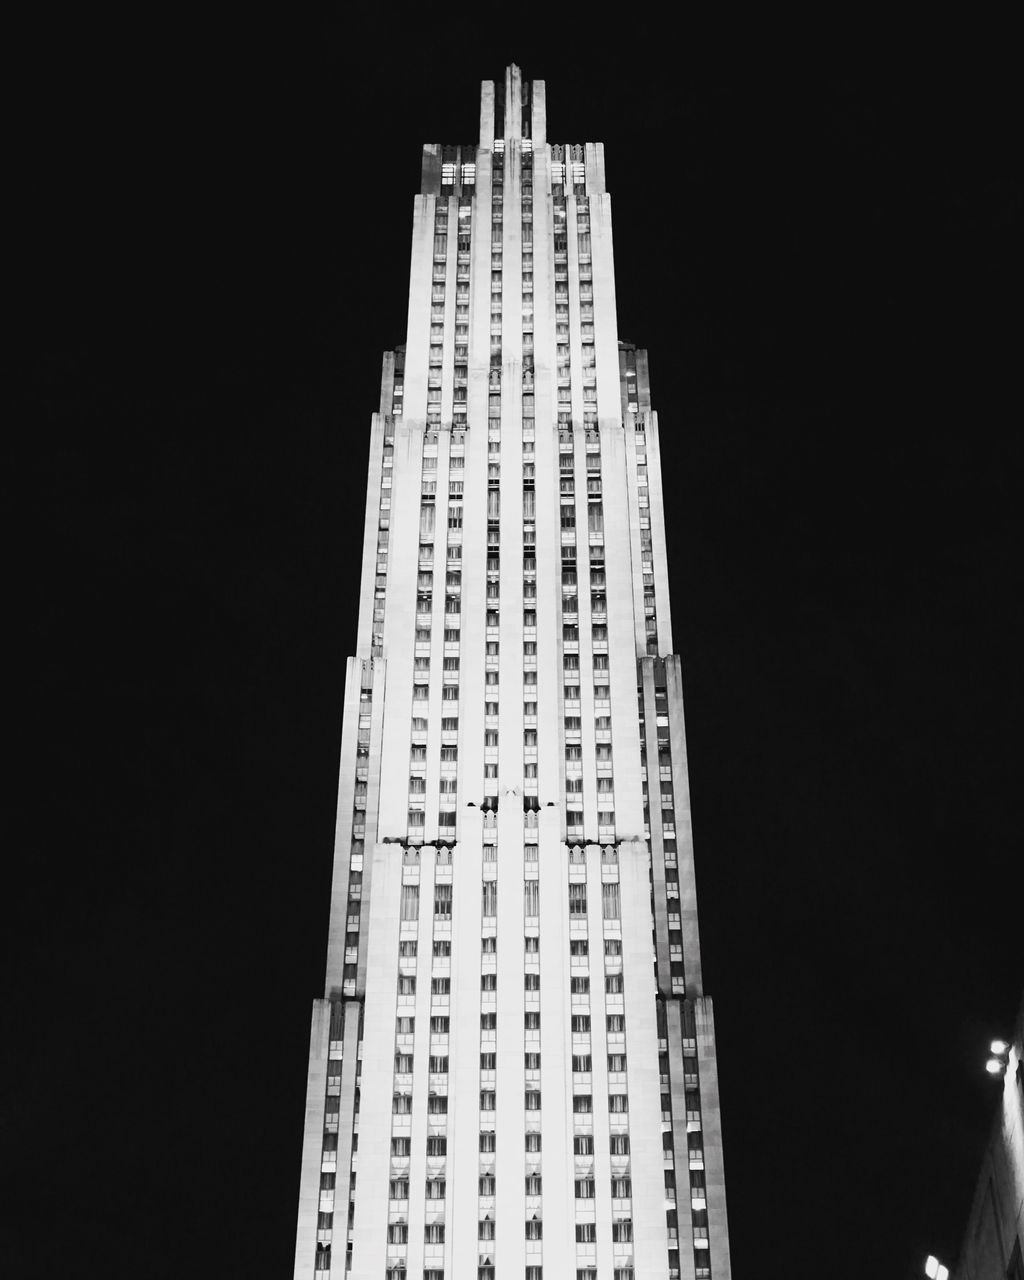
1000,1051
934,1269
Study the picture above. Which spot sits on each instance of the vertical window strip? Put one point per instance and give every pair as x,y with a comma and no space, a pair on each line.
356,850
599,640
582,1091
329,1143
436,1209
405,1026
488,1101
572,722
530,727
493,601
613,1006
384,518
422,651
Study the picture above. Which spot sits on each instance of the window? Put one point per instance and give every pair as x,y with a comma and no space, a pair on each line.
410,902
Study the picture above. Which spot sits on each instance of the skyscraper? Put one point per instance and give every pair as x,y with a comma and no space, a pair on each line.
512,1071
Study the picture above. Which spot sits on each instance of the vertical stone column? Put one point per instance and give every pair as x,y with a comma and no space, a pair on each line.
312,1142
599,1065
418,1135
346,1107
510,1188
337,923
377,1080
464,1049
684,830
711,1120
656,498
586,644
378,676
368,563
622,669
650,1234
680,1145
555,1041
647,671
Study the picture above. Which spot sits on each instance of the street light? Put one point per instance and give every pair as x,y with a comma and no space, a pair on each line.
934,1269
997,1064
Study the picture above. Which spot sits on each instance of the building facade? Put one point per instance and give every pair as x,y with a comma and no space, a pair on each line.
512,1071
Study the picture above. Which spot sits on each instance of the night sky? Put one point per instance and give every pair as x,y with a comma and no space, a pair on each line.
823,257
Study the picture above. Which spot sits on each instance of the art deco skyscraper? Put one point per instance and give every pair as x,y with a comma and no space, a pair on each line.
512,1071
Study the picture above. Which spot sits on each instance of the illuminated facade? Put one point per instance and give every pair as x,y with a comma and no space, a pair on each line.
993,1242
512,1072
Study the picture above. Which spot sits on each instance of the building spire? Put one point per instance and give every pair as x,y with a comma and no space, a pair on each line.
514,108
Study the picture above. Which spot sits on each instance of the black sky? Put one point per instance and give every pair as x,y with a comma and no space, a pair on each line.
823,258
